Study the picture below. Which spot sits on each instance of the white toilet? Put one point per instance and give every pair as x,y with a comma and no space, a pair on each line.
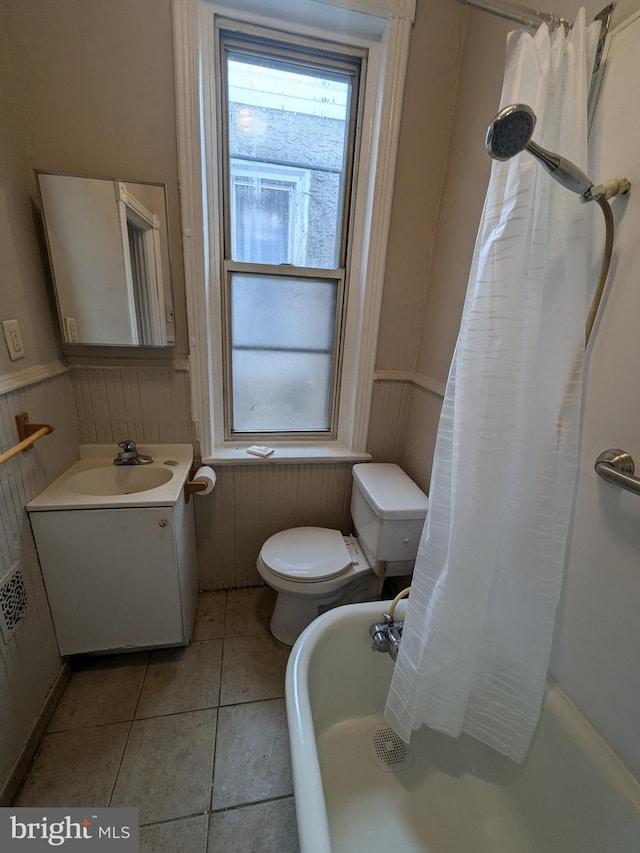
314,568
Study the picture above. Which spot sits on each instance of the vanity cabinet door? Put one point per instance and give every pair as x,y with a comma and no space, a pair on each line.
111,577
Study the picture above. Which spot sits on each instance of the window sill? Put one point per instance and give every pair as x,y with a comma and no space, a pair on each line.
290,454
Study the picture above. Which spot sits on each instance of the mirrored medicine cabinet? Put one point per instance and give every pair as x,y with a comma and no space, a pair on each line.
108,245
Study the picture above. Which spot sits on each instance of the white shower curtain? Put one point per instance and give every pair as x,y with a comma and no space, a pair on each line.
479,622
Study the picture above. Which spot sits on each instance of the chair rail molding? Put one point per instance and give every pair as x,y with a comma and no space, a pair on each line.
432,385
30,375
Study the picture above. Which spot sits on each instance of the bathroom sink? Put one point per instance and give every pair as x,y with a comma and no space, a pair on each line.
118,480
94,482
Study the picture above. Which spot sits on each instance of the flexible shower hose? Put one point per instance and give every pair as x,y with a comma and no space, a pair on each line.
392,609
604,268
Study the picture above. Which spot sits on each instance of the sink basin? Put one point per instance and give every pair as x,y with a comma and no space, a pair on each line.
118,480
94,482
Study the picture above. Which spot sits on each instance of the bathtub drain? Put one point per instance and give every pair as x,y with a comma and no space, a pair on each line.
389,751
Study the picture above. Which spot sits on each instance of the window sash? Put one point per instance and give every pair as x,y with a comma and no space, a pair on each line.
324,63
283,270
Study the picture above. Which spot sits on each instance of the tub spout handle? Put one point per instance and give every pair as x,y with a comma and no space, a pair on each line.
379,637
395,635
386,636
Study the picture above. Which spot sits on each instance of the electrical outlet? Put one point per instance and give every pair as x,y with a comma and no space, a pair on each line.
13,339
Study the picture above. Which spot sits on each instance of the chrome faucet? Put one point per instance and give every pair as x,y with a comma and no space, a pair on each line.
129,454
386,635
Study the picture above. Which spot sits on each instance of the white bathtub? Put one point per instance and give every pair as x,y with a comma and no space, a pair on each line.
571,795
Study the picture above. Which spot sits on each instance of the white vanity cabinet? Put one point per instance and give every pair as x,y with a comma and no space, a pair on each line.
119,579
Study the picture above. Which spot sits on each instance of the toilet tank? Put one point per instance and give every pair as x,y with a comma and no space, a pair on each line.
388,512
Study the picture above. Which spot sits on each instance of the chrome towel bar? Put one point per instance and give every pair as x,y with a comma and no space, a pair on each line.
617,467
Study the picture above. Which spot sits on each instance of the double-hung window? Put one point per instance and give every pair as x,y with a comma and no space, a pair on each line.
288,123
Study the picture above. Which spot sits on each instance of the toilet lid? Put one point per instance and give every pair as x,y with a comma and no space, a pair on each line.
306,554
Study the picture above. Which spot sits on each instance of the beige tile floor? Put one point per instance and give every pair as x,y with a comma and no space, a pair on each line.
195,738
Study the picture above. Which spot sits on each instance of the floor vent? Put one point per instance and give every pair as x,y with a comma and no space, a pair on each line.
388,750
13,601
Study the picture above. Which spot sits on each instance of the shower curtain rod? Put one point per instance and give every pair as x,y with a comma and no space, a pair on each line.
534,17
520,14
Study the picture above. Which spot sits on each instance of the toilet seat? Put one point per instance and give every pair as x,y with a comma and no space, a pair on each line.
306,554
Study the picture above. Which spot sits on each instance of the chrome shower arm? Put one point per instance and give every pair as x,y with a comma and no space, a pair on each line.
563,170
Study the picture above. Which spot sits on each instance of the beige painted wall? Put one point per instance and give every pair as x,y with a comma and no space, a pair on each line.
436,47
92,85
467,175
94,90
23,295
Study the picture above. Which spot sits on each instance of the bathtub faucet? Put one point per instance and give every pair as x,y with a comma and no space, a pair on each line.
386,635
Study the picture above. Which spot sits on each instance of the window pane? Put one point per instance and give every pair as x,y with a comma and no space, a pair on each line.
282,336
261,222
280,391
287,145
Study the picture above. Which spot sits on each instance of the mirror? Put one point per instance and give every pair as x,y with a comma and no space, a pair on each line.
108,245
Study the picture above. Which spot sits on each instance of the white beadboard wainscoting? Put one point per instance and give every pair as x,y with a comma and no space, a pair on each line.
420,434
251,502
147,404
390,405
404,420
30,664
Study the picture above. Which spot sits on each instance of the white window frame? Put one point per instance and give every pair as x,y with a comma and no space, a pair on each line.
298,179
382,28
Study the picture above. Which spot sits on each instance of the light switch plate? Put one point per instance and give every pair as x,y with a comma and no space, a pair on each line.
13,339
71,330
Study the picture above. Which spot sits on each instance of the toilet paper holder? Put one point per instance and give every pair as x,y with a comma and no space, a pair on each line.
191,488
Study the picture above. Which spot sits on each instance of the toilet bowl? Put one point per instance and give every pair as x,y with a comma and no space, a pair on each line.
312,569
315,568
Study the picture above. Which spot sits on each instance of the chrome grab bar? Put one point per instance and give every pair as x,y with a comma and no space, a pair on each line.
617,467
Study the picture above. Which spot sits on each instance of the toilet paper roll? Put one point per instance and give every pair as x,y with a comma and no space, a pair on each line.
205,475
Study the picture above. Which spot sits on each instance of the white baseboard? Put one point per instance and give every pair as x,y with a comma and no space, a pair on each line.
11,787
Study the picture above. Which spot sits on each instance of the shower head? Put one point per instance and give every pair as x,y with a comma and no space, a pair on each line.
510,133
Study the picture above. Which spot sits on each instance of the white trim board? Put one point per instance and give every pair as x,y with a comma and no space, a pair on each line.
433,385
178,366
30,375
